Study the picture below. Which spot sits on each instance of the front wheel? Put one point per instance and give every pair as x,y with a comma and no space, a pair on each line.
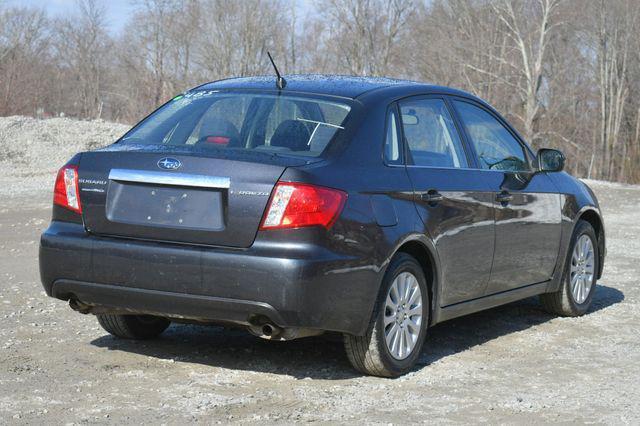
575,294
398,326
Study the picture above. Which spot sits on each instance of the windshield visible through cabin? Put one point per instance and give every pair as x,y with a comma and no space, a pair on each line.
243,121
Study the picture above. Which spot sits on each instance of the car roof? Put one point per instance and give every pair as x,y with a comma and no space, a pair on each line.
327,84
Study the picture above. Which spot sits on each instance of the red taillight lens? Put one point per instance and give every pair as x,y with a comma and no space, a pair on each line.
66,192
294,205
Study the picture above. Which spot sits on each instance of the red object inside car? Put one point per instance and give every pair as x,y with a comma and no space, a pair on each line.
221,140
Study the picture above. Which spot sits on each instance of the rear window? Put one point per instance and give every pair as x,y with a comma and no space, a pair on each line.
237,121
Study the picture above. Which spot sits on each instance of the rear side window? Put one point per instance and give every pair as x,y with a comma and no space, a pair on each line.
392,145
496,147
262,122
430,135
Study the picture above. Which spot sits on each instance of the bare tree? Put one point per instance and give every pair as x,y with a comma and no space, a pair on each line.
476,61
530,34
612,44
183,36
235,36
365,32
24,40
565,72
82,45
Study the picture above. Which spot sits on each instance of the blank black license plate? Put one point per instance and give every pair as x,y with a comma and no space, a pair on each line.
165,206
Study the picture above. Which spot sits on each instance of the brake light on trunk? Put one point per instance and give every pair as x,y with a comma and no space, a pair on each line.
66,192
295,205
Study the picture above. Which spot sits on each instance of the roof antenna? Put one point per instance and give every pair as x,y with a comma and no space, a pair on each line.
280,81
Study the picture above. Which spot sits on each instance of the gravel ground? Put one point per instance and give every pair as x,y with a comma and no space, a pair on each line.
32,150
511,364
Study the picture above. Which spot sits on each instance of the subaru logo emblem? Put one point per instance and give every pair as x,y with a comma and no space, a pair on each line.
169,163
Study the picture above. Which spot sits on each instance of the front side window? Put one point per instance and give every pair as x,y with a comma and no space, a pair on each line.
430,135
241,121
496,147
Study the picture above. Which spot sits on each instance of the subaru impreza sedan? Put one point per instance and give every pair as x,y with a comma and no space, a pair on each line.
374,208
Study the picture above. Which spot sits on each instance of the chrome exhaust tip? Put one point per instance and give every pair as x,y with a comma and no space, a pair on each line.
268,330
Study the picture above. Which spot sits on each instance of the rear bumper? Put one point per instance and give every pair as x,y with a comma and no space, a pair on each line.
292,285
206,308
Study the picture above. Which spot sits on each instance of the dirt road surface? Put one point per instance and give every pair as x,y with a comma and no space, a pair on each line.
511,364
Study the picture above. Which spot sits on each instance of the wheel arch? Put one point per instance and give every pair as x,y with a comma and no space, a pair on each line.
424,251
592,216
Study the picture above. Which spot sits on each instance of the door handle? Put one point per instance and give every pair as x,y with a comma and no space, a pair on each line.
504,197
432,197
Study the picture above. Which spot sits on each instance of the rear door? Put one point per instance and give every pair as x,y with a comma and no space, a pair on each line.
454,201
527,205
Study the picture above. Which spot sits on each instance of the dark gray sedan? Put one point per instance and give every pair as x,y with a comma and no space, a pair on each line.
374,208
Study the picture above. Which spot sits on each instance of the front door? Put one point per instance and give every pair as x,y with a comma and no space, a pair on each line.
527,206
454,201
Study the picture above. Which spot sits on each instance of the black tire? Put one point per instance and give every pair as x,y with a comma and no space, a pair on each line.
562,301
369,353
138,327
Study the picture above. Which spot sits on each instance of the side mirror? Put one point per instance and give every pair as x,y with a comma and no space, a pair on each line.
550,160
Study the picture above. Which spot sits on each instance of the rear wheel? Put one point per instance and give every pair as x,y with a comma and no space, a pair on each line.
137,327
575,294
398,326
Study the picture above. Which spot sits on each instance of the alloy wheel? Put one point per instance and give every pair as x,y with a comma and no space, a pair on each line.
403,315
582,269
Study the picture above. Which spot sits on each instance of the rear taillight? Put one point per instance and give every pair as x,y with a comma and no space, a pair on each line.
294,205
66,192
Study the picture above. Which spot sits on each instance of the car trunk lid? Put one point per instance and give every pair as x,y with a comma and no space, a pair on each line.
177,197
